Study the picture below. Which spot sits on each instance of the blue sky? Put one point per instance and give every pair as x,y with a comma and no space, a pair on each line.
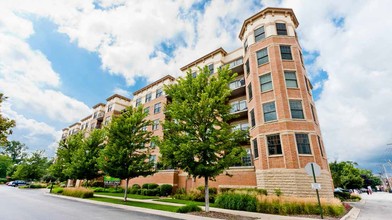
58,60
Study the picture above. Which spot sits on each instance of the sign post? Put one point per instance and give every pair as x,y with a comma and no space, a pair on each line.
312,169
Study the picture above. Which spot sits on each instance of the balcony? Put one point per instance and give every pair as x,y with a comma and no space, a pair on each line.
99,115
240,108
236,66
238,88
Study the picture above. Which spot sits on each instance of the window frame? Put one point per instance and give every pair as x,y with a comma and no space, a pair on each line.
286,72
252,118
259,62
255,148
250,91
155,125
265,83
211,68
147,110
302,147
285,55
158,92
148,97
292,109
157,108
281,31
138,102
277,147
259,34
269,112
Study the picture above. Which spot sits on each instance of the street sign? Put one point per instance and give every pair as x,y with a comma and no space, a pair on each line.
316,168
316,186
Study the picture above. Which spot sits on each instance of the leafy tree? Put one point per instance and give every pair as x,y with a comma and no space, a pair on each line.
5,163
33,168
125,155
60,168
198,138
5,124
84,160
15,150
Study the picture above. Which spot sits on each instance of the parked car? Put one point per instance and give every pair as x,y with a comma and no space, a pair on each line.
17,183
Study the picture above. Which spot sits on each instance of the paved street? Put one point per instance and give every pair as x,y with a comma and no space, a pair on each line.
21,204
376,206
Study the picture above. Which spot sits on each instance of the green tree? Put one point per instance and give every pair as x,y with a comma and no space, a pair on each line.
5,163
125,155
32,168
346,175
60,168
84,160
5,124
198,138
15,150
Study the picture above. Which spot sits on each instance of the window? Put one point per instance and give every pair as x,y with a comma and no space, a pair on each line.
147,110
153,159
303,144
243,127
285,52
152,144
144,128
296,109
259,34
250,93
107,120
155,125
157,108
302,59
110,107
313,113
158,93
281,29
255,148
246,45
194,74
148,97
291,79
274,145
211,68
237,84
247,160
320,146
265,82
238,106
269,111
95,115
252,118
247,67
138,102
262,56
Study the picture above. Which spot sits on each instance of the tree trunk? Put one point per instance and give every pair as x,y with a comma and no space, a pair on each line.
126,189
207,196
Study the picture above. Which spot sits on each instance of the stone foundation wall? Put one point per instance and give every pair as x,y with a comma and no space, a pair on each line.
294,182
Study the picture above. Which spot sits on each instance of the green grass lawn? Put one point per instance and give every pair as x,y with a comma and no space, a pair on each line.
168,208
186,202
131,196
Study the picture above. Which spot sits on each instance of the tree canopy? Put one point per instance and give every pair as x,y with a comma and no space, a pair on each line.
5,124
15,150
197,136
126,155
32,168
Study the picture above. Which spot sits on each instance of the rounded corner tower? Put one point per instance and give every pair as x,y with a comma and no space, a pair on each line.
284,129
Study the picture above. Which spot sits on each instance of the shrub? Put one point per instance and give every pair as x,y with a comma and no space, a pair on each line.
252,191
78,192
278,192
98,189
235,201
211,190
145,186
135,186
54,185
165,189
343,196
115,190
189,208
57,190
355,197
36,186
3,180
153,186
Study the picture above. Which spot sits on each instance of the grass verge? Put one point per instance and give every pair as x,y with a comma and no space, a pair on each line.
131,196
168,208
185,202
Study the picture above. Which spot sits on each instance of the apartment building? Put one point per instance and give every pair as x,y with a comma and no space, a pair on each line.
272,98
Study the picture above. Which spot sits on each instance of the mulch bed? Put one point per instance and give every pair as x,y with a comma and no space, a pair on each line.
221,215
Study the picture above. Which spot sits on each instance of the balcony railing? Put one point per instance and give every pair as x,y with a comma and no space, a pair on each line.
237,84
238,106
235,63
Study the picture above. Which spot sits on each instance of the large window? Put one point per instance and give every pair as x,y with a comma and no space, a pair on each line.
265,82
303,144
291,79
252,118
255,148
155,125
247,160
250,92
274,145
281,29
211,68
296,109
152,144
320,146
238,106
147,110
262,56
110,107
157,108
269,111
148,97
158,93
259,34
285,52
138,102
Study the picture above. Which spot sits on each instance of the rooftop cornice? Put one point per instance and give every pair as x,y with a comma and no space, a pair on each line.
213,53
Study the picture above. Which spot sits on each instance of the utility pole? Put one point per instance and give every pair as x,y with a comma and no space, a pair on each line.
386,175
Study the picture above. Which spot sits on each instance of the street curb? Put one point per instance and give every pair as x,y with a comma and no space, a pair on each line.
352,214
136,209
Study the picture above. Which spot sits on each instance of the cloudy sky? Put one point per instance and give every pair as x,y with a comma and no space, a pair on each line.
59,58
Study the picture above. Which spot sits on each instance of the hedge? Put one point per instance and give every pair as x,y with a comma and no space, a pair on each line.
78,192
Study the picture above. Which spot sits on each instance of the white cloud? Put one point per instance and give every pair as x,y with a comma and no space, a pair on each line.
122,92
